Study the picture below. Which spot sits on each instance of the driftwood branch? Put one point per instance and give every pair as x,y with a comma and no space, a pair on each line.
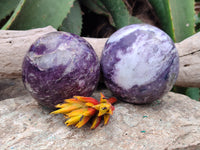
189,54
14,45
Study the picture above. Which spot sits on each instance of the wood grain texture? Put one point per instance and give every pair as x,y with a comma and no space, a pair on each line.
189,54
13,47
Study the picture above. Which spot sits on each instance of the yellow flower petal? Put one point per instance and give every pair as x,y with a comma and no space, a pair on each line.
83,121
111,110
62,105
106,118
97,107
73,100
76,112
89,104
73,120
89,112
102,99
87,99
95,122
67,109
104,108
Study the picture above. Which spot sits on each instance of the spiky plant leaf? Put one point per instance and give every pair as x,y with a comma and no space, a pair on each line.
97,7
6,7
162,9
73,22
176,17
40,13
119,13
183,18
14,15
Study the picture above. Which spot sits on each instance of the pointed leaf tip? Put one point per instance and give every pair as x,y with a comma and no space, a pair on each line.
83,121
112,100
106,119
96,122
73,120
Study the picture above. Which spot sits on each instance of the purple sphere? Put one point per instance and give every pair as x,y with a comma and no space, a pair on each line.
140,63
60,65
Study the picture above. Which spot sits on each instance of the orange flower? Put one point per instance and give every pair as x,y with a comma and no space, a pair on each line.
79,110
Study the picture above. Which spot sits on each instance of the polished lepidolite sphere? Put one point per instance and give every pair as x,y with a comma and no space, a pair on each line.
140,63
60,65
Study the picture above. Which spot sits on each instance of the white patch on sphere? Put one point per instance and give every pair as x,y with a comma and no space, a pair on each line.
117,36
54,59
142,63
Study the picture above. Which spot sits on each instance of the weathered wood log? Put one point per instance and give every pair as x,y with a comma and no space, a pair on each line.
14,45
189,54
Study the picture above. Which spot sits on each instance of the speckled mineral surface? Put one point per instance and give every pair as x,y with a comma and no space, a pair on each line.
140,63
170,123
60,65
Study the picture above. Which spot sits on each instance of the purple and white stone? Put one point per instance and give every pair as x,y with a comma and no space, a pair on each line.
140,63
60,65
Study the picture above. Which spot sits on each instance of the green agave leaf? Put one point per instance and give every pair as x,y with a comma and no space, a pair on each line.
73,22
119,13
176,17
162,10
40,13
6,7
193,93
183,18
14,15
96,6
